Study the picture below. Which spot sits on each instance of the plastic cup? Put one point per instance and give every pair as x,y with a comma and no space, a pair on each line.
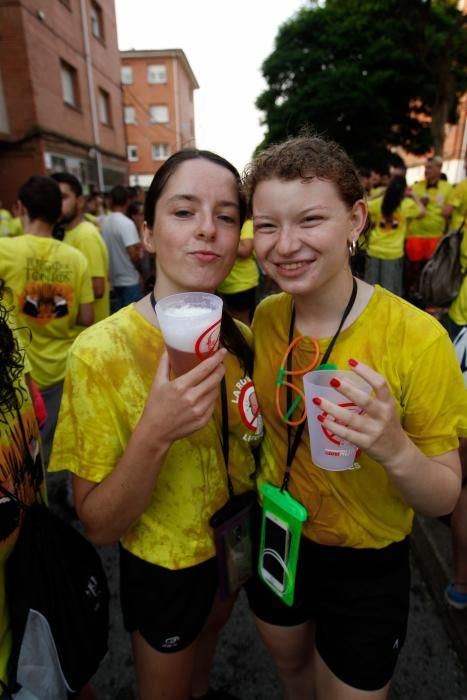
190,324
329,451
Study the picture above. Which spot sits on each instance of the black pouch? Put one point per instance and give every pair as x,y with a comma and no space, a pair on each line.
232,525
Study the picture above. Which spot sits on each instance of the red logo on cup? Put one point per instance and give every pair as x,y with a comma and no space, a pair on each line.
208,342
331,436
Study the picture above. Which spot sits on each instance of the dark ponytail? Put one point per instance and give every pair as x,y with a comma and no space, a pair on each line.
233,340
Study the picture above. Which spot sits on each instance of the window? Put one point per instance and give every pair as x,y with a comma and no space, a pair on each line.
157,73
132,152
97,23
129,114
126,73
104,107
160,151
69,84
159,114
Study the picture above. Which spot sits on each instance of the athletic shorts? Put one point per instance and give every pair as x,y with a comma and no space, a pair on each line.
358,600
168,608
418,249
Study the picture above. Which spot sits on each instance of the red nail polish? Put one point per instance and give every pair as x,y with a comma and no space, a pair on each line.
317,401
353,363
335,382
320,418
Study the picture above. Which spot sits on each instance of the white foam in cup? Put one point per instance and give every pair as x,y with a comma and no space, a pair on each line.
190,324
329,451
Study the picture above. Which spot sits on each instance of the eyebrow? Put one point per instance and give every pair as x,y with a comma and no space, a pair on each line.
193,198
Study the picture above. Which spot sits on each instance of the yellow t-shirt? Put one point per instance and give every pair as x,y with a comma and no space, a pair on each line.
110,372
387,237
5,222
458,309
458,198
244,274
16,227
86,238
49,281
22,479
362,508
433,223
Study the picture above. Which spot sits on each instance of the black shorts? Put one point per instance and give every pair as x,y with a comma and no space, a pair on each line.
168,608
241,301
358,600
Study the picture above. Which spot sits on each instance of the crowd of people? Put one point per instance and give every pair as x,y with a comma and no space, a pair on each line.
153,456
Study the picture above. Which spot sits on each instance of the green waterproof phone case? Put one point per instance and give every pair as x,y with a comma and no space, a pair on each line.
281,530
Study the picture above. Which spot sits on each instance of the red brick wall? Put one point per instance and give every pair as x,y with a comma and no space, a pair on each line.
141,95
16,79
30,53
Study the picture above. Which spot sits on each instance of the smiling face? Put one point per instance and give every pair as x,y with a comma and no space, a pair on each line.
302,233
196,228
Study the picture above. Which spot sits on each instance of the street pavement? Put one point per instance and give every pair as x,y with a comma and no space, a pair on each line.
432,666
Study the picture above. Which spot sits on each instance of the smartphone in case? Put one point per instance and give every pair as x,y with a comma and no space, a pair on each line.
276,545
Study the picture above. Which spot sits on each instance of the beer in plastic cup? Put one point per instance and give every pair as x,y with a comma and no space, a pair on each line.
328,450
190,324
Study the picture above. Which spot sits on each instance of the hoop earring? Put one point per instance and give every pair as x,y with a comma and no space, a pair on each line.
352,246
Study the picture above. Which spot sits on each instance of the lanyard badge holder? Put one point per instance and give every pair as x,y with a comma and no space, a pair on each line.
281,530
283,516
232,525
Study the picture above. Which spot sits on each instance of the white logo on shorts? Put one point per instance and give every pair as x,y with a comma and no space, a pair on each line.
170,642
396,644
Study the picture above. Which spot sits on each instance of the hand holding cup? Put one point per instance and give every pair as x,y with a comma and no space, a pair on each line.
177,408
375,427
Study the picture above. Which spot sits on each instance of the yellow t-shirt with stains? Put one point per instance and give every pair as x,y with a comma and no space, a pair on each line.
110,371
362,508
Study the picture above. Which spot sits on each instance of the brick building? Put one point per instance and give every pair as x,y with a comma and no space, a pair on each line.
158,108
60,93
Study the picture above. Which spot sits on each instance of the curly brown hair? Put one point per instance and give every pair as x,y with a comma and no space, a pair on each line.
11,360
305,157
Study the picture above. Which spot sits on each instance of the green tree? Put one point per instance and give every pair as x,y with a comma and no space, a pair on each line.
369,73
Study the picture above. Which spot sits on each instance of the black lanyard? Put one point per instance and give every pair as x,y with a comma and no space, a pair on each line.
292,445
225,417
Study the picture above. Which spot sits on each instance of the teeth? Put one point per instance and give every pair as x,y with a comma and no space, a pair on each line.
292,266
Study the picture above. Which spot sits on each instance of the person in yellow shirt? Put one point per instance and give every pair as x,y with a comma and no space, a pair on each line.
21,465
342,635
455,212
390,215
240,286
84,236
94,210
424,233
52,292
152,456
5,221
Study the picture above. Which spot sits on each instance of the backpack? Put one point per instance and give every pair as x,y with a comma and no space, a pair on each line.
442,276
58,601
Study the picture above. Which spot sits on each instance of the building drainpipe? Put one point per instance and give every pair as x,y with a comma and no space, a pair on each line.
92,95
177,114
